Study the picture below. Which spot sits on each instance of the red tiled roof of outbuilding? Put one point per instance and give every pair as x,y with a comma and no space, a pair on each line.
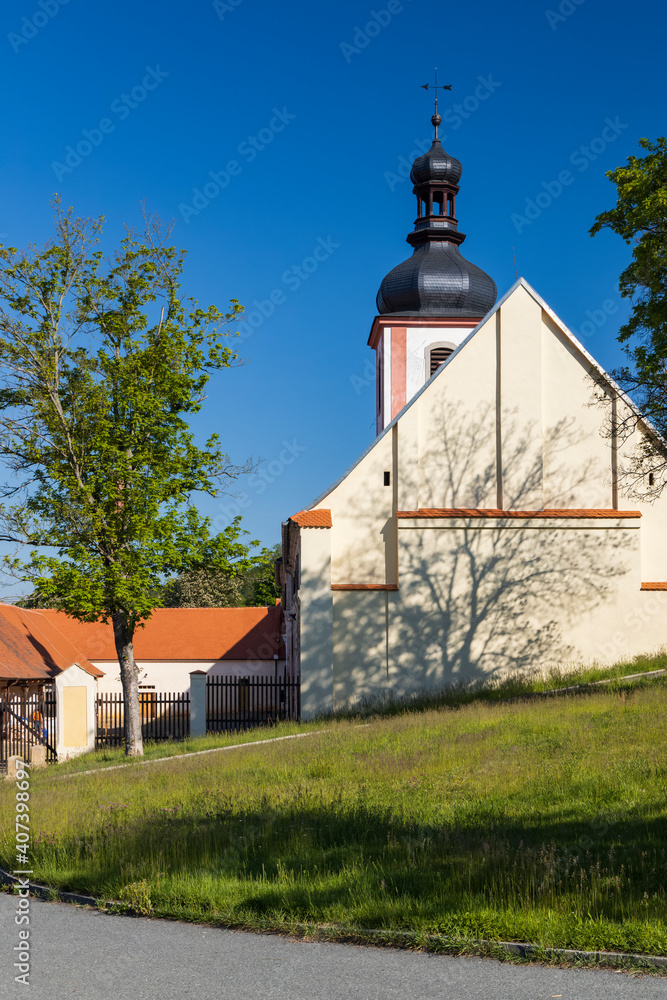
320,518
185,634
32,647
555,512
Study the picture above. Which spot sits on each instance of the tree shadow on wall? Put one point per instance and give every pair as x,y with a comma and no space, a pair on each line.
481,597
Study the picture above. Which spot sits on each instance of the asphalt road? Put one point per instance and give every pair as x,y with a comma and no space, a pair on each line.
82,953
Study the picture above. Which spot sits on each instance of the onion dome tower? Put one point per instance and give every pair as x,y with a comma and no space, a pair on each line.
428,304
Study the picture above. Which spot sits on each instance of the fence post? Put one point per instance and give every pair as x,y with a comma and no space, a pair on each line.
76,721
197,703
12,767
37,756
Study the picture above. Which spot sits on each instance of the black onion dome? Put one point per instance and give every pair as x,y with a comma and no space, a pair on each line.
436,165
437,281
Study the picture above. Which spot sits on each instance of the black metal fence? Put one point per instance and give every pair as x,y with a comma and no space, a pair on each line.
27,719
163,717
237,703
232,704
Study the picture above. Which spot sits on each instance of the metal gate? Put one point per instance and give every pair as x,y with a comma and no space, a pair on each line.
237,703
163,717
27,719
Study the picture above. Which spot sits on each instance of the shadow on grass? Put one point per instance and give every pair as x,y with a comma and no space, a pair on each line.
602,882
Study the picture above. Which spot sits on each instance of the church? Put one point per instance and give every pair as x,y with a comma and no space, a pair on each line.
488,528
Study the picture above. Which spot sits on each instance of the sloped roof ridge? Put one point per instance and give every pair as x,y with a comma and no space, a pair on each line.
186,634
416,396
60,649
589,357
519,283
45,625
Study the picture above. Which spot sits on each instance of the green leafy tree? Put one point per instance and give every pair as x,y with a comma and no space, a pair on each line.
203,588
35,601
640,218
211,586
259,579
101,363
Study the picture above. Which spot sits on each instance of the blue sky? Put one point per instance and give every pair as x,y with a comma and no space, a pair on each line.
275,135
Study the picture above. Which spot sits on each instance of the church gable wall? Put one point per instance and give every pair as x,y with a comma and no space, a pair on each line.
364,526
634,489
456,430
516,420
577,445
420,339
520,402
654,541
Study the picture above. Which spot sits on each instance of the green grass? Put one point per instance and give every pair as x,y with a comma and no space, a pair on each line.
536,820
157,750
449,697
514,686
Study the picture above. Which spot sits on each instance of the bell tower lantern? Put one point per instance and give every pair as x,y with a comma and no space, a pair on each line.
429,303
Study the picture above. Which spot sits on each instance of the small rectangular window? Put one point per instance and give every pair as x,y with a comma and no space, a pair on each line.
387,479
650,479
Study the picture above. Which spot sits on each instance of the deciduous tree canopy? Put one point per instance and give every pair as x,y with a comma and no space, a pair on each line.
254,585
101,363
640,218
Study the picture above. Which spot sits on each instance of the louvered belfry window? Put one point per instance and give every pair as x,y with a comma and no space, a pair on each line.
438,356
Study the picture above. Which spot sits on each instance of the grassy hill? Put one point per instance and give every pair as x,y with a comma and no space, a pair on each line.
535,820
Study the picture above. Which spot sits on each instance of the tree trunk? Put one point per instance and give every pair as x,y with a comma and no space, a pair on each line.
123,634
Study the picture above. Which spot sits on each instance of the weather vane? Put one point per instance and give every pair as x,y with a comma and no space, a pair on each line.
436,119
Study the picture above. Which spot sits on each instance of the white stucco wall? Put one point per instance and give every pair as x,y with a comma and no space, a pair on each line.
173,676
510,421
360,644
456,430
363,546
481,598
653,539
418,340
316,622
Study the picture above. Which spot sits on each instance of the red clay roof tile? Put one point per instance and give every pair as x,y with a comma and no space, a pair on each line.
312,518
557,512
32,648
185,634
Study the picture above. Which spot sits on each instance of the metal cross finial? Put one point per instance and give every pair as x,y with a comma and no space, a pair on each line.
436,119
